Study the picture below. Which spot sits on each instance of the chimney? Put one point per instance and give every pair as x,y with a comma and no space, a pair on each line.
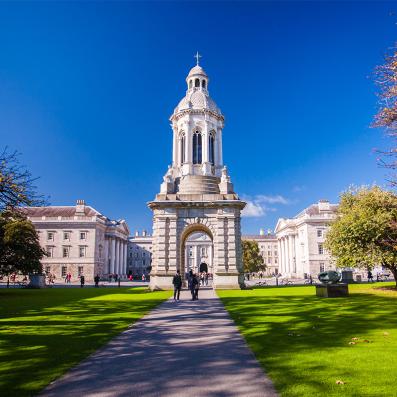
269,232
323,205
136,233
261,232
144,233
80,207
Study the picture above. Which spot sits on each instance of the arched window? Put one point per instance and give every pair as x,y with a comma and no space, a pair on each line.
211,148
197,83
203,84
190,84
197,148
182,147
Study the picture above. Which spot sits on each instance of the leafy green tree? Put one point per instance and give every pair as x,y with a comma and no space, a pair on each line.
252,259
364,233
20,250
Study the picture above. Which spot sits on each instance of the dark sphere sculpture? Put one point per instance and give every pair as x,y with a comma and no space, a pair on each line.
329,277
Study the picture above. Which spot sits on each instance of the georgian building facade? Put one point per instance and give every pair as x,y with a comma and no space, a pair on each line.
80,240
139,254
268,248
301,241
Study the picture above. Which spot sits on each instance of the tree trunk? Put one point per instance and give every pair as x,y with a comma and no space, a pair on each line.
393,269
8,281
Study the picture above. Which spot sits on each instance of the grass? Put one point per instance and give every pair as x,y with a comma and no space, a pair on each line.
45,332
304,343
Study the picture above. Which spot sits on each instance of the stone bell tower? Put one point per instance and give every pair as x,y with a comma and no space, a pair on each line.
196,194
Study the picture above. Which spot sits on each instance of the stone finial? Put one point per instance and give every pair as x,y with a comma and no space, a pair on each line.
80,207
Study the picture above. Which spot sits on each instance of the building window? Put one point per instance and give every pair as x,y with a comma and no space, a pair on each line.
65,252
211,148
50,236
100,251
322,267
50,252
190,84
319,233
130,255
269,260
197,83
320,249
269,253
81,251
63,271
80,270
275,260
203,251
66,236
143,253
47,269
275,253
182,147
83,235
197,149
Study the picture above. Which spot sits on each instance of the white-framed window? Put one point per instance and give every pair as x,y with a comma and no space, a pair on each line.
319,233
320,249
50,236
47,269
322,267
275,260
80,270
82,251
83,235
203,251
50,251
66,236
269,253
63,271
143,253
100,251
269,260
275,253
65,251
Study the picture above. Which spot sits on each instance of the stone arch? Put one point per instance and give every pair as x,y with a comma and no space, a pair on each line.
197,226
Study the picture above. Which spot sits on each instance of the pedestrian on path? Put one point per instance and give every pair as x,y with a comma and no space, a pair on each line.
189,279
82,281
193,286
96,279
177,281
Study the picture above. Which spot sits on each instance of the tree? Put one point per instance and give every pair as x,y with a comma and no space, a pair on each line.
386,117
252,259
20,250
364,233
16,183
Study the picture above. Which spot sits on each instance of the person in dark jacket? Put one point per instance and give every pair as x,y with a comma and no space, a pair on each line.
189,279
177,281
82,281
194,286
96,279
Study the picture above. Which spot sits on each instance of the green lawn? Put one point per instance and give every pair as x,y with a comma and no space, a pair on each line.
305,343
45,332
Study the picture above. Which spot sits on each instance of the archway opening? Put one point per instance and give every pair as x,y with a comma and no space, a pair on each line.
197,252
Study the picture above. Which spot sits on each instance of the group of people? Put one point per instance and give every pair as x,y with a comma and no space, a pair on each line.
193,281
68,278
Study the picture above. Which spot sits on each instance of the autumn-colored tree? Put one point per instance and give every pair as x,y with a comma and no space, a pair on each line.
16,183
252,259
386,117
364,233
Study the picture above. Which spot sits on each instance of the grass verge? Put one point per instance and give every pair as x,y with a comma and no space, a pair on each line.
45,332
313,346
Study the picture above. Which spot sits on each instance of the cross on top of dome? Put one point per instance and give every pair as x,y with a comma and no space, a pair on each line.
197,56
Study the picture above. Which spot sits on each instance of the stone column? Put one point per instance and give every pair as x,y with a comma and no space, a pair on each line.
280,262
210,254
175,147
196,258
120,257
126,257
106,256
116,257
220,156
113,254
291,254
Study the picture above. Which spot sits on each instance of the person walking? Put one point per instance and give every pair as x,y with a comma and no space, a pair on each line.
189,279
196,287
82,281
370,276
96,280
177,281
193,286
206,278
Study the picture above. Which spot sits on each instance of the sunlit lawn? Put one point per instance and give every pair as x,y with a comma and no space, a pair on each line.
304,342
45,332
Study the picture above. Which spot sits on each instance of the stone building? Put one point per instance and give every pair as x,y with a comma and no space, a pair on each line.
196,194
268,248
301,241
80,240
139,254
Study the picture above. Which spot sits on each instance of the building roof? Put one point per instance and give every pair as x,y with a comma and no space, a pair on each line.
197,100
65,211
259,237
197,70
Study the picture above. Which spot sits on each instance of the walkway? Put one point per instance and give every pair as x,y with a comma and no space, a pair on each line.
181,349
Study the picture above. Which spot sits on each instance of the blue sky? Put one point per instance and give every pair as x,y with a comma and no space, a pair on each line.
86,90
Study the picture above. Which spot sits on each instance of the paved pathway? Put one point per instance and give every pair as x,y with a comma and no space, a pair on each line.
181,348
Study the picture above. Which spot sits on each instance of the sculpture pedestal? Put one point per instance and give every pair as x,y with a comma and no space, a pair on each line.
332,290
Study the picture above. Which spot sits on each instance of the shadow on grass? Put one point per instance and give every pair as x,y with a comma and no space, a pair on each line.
299,338
45,332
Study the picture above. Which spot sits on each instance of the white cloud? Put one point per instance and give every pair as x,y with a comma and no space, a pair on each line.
298,188
256,206
253,210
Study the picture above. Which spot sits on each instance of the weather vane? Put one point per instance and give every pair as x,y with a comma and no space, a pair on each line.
197,56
